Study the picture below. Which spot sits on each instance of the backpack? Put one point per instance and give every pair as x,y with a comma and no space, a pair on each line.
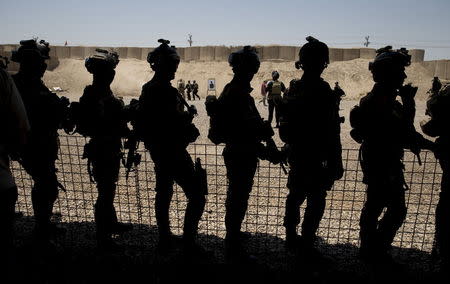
276,88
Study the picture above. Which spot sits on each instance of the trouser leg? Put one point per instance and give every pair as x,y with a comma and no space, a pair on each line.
393,219
271,110
294,200
240,173
313,215
368,222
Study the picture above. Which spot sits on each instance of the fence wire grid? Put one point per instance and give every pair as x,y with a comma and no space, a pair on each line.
340,224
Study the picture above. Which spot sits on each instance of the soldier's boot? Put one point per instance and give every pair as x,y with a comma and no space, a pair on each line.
194,211
293,240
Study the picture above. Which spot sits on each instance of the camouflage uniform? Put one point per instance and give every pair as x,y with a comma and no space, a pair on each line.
241,132
167,130
315,160
45,113
438,109
104,122
385,127
167,142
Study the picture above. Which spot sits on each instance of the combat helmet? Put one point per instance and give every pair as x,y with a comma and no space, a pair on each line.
387,58
275,75
163,54
313,51
102,60
245,59
31,50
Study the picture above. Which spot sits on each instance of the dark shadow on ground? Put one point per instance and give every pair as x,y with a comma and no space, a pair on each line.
75,259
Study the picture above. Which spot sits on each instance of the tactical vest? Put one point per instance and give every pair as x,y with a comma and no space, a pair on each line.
276,88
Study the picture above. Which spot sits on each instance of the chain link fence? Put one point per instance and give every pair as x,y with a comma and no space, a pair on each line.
135,200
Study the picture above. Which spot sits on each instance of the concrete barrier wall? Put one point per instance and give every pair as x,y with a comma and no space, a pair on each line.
207,53
441,69
438,68
417,55
192,53
218,53
270,52
430,66
287,53
336,54
221,53
351,53
134,52
367,53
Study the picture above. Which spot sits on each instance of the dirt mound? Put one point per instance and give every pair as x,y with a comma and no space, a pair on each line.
353,76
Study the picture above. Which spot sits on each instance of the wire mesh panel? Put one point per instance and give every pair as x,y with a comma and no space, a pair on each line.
340,225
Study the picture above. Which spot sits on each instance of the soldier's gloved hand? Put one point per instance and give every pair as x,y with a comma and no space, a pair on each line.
192,110
408,91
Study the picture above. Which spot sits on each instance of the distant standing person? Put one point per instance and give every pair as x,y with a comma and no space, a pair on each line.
274,90
188,90
264,93
195,90
181,87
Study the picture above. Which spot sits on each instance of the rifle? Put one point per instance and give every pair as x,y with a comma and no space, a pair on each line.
274,155
133,158
191,108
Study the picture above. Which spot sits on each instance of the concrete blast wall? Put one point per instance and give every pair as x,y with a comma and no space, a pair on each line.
367,53
438,68
218,53
221,53
207,53
336,54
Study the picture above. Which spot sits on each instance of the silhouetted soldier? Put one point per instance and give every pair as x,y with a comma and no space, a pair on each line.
436,86
181,87
14,128
46,113
102,119
385,127
274,89
167,130
438,108
188,90
195,91
315,152
236,122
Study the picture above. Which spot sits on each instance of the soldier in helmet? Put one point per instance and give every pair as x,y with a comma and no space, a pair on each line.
46,113
188,90
102,119
195,90
236,122
181,87
384,127
14,128
315,153
274,89
167,142
438,106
